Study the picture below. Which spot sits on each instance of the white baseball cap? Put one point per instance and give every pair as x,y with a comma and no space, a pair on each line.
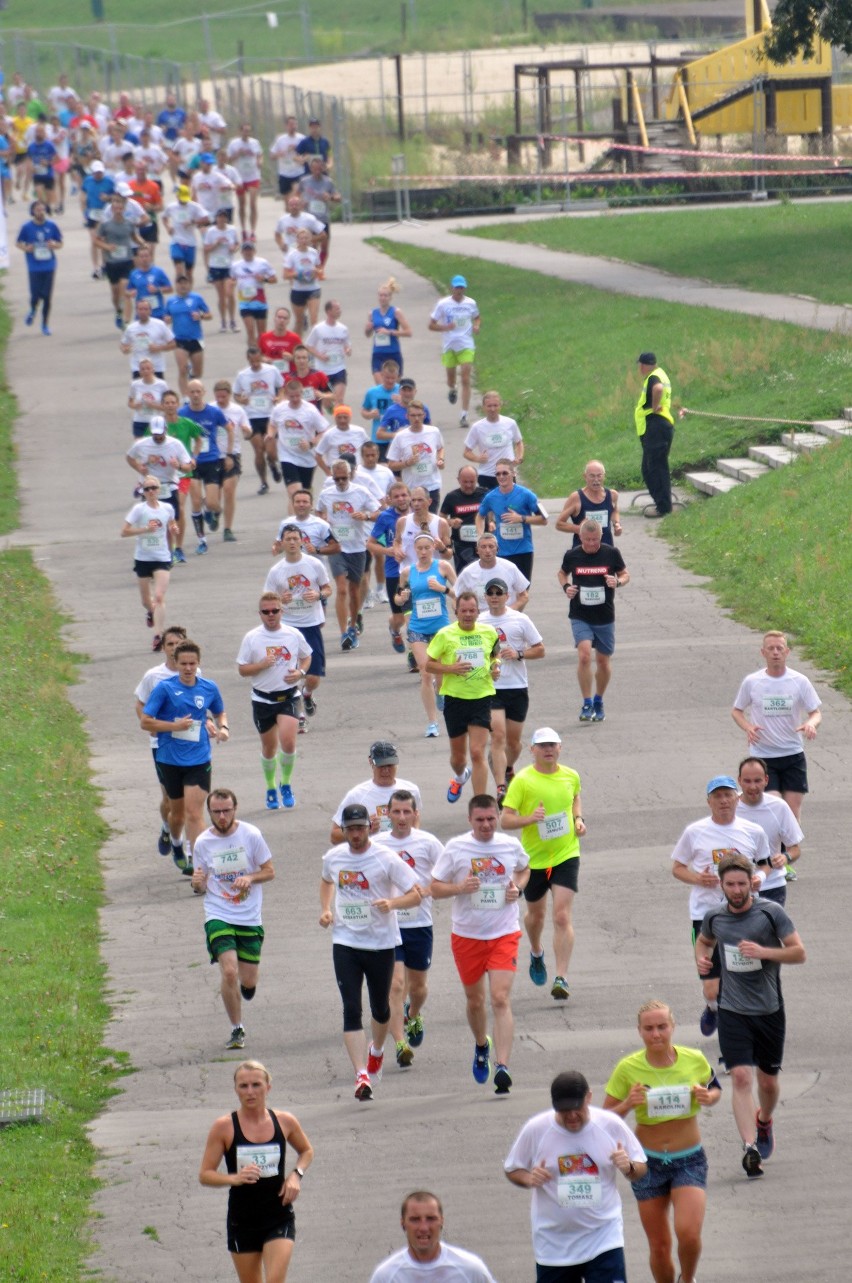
546,735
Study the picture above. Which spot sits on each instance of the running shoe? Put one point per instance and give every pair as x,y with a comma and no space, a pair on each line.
309,703
97,274
375,1062
708,1022
287,799
538,969
272,799
765,1142
463,420
751,1162
431,732
587,712
790,874
359,624
404,1054
188,869
233,327
237,1039
202,548
223,329
559,988
510,775
502,790
382,594
597,705
502,1081
149,618
303,726
178,557
157,644
29,318
164,842
353,637
363,1090
264,489
454,790
396,641
482,1061
179,857
228,536
412,664
346,640
212,519
275,470
45,329
414,1031
119,321
370,600
248,991
452,396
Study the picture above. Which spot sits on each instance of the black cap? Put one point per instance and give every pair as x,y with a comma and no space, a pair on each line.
354,814
407,383
498,583
646,358
383,753
568,1091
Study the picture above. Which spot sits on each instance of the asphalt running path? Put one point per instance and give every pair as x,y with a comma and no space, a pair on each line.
677,667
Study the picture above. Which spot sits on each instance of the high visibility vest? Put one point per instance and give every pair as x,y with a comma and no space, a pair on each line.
641,413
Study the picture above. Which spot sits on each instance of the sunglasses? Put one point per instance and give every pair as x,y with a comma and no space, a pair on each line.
277,611
145,489
494,592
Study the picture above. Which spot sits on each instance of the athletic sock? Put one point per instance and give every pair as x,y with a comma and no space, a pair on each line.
286,762
714,1006
268,766
459,779
198,523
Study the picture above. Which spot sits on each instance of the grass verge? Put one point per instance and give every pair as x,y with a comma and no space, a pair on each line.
787,247
772,573
564,359
52,1008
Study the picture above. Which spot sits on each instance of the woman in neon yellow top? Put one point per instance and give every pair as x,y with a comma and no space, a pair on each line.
667,1085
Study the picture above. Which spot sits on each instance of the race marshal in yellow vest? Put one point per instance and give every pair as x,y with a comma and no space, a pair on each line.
655,428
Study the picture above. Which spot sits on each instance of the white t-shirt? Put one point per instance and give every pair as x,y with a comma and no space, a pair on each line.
154,544
212,191
239,421
151,394
337,506
411,528
140,337
185,149
313,530
222,244
298,577
224,858
474,578
297,430
289,224
183,216
420,851
155,159
376,798
152,678
701,846
779,824
331,342
517,630
359,881
423,446
777,705
451,1265
497,440
215,125
305,264
246,155
157,457
251,278
461,316
576,1215
485,914
290,164
261,387
288,648
337,444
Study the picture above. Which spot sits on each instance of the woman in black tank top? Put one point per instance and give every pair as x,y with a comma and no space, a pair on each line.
261,1224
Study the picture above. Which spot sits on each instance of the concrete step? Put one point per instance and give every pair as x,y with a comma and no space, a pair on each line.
741,469
804,442
835,427
774,456
711,483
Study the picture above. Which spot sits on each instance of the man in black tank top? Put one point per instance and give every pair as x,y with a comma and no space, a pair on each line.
593,500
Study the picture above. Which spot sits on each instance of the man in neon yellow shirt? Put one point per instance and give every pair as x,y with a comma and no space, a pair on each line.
466,656
543,801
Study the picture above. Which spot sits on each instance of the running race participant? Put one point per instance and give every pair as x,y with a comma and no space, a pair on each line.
232,461
295,427
417,453
361,886
329,345
513,510
318,193
39,239
206,484
163,457
190,436
150,523
117,237
376,792
488,566
491,439
593,501
288,161
317,539
220,244
302,583
520,641
377,399
777,821
182,219
589,576
460,507
147,338
380,543
303,269
457,318
341,441
294,218
543,801
425,1256
172,637
386,325
147,281
276,658
484,872
232,861
314,384
278,343
257,388
419,521
185,312
424,586
667,1086
348,509
250,275
246,154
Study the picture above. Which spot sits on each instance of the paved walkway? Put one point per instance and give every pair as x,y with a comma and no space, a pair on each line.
668,730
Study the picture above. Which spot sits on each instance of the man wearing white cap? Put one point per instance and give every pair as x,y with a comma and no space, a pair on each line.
457,318
543,802
164,458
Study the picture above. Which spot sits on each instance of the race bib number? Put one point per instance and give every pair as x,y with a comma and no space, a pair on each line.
428,608
592,596
151,541
42,252
404,916
192,733
602,518
266,1157
777,705
298,606
475,655
381,340
247,292
579,1191
355,914
489,897
423,467
342,530
119,252
295,443
220,258
316,207
554,826
228,865
260,401
735,961
669,1102
468,534
511,530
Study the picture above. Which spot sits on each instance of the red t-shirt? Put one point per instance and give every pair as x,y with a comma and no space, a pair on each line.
312,383
276,347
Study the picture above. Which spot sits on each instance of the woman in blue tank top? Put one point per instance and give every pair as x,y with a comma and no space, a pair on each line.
424,588
253,1140
386,325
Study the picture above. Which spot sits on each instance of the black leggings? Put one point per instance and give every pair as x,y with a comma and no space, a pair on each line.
41,290
352,967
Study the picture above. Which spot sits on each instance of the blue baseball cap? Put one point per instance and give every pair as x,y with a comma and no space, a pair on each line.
722,782
458,282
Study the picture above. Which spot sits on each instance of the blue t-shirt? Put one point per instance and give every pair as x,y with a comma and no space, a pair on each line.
169,700
383,532
38,234
396,417
209,419
42,156
148,285
171,120
378,398
313,147
179,311
97,191
520,500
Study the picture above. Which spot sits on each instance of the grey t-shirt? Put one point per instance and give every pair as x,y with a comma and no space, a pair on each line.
750,986
119,233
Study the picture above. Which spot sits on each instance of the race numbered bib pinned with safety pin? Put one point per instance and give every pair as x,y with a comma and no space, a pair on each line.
669,1102
738,962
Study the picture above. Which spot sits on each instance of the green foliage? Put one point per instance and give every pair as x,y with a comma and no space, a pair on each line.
8,409
798,24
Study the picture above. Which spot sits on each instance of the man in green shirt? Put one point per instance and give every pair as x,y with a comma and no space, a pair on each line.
543,801
466,656
190,435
